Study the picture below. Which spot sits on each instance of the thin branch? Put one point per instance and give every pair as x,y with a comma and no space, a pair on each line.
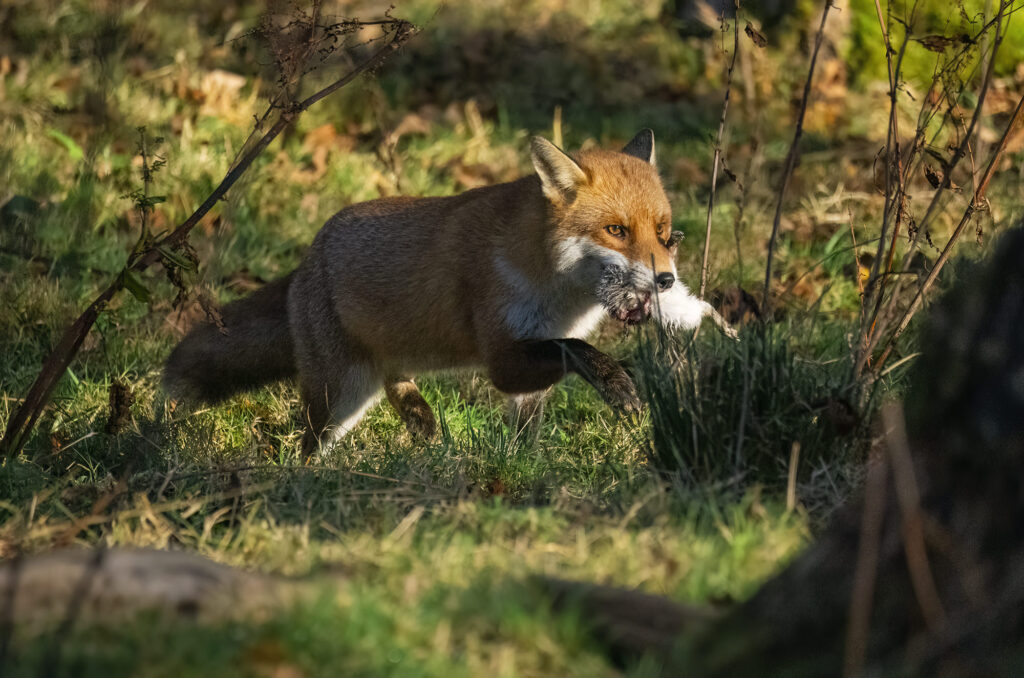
24,418
978,203
895,192
718,151
791,159
865,572
51,659
882,323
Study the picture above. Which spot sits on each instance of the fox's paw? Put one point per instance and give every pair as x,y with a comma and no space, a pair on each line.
413,410
419,419
619,391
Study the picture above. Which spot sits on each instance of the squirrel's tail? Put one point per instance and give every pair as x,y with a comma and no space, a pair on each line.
253,348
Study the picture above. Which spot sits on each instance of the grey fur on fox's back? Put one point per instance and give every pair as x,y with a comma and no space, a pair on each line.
509,278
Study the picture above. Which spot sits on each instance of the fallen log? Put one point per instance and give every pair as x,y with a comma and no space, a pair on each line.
105,584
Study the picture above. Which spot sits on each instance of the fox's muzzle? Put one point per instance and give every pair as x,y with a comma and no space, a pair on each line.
627,293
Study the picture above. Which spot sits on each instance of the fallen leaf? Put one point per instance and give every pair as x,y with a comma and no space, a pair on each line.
756,36
935,43
321,141
218,95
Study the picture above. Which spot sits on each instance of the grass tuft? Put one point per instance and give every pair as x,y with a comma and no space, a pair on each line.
727,414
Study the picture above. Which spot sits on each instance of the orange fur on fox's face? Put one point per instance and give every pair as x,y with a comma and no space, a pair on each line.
622,207
612,223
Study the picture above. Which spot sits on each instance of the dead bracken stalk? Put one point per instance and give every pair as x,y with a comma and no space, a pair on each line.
287,109
791,156
886,312
978,203
718,148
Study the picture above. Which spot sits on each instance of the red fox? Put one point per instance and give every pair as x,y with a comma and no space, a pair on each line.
509,278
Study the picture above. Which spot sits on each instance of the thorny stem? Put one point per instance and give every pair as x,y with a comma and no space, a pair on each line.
718,151
24,418
791,159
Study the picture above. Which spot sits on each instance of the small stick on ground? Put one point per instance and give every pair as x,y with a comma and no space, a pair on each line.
794,463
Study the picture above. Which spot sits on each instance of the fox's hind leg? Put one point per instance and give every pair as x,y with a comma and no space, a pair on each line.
526,414
335,398
414,411
336,374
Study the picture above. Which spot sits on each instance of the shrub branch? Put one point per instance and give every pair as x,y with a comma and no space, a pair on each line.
718,150
24,418
791,159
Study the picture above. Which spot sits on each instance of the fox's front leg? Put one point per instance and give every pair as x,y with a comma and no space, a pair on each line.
527,366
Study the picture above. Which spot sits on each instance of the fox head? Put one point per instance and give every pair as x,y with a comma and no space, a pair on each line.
612,224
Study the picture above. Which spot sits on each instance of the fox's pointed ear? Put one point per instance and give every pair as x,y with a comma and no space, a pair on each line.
642,146
560,175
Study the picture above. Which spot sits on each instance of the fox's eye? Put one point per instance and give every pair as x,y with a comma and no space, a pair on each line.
616,230
660,228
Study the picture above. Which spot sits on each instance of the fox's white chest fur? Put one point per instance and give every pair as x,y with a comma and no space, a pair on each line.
558,309
563,308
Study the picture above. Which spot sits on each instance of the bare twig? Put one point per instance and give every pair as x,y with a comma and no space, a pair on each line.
856,258
794,464
866,570
51,659
718,150
895,192
25,417
881,322
791,159
978,203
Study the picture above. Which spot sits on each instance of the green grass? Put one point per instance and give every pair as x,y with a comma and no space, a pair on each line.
443,592
426,548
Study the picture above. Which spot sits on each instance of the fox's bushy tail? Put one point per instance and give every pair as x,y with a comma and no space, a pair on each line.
255,348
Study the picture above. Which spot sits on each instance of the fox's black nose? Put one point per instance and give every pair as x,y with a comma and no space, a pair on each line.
665,281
